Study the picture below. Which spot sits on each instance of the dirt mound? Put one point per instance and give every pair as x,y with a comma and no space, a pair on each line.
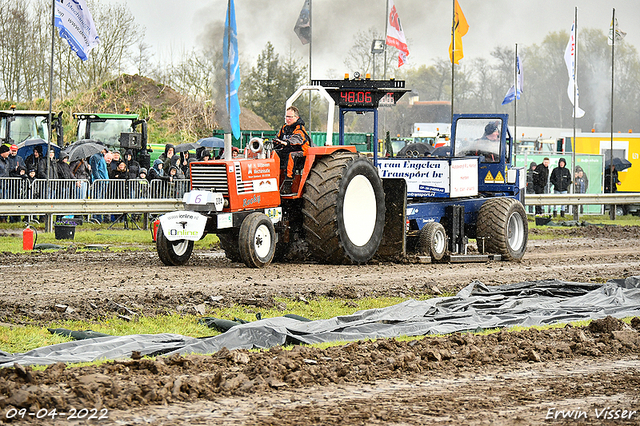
591,231
168,112
606,325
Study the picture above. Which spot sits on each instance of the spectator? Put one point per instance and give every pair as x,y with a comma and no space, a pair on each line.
99,174
64,169
81,171
608,188
561,181
49,166
175,161
132,165
33,160
98,165
166,156
142,189
206,155
113,161
120,172
15,160
529,190
4,163
185,160
29,187
540,180
580,183
157,171
143,173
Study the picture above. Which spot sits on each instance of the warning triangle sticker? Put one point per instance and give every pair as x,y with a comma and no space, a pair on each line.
499,178
489,177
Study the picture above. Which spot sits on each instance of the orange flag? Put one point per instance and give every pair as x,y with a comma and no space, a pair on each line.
460,28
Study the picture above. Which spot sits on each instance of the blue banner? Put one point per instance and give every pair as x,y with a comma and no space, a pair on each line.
232,69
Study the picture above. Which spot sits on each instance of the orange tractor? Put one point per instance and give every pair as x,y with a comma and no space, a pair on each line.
337,204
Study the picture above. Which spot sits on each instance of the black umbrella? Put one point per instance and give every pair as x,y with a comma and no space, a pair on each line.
211,142
619,163
186,147
85,149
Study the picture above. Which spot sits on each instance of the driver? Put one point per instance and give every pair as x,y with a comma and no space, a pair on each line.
292,141
489,143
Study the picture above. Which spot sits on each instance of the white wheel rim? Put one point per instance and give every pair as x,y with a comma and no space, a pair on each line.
439,241
515,232
180,247
359,210
262,241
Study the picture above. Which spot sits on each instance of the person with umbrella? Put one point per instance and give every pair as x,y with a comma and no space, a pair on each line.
611,176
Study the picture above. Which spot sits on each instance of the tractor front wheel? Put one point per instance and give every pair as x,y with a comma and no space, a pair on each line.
173,253
257,240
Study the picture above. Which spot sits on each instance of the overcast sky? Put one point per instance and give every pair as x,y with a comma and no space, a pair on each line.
175,27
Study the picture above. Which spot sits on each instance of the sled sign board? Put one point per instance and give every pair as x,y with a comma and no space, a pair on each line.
433,178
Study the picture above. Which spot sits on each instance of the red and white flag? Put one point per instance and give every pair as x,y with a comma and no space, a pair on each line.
395,35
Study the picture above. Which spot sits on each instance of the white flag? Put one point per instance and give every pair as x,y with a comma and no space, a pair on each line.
395,34
570,60
75,24
619,34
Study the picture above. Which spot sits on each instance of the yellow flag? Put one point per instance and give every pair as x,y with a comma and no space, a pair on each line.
460,28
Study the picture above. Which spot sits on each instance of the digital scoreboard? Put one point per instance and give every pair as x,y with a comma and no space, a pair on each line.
364,93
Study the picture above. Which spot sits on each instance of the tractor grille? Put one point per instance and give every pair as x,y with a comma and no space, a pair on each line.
209,177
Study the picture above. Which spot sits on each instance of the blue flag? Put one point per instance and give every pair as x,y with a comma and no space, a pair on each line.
511,93
232,69
75,24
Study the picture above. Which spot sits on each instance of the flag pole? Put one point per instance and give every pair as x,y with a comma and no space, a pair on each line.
310,50
575,93
515,100
453,50
53,35
228,137
386,29
612,208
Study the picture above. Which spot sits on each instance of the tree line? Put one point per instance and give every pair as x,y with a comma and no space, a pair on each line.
480,83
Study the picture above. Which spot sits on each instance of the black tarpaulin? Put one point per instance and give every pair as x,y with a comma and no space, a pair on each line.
476,307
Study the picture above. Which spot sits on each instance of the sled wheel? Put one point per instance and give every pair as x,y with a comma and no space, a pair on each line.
502,228
172,253
229,243
343,209
257,240
433,240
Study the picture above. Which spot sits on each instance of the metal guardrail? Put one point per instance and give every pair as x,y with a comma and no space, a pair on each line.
90,206
581,199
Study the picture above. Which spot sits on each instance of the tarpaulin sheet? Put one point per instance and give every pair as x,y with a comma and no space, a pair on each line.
475,307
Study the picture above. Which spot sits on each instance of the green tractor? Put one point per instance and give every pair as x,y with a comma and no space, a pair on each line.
117,131
17,126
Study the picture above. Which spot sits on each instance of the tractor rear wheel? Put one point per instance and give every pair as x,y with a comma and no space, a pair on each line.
502,228
433,240
172,253
343,209
229,243
257,240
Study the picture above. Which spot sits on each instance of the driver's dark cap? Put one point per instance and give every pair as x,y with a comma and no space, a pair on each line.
491,127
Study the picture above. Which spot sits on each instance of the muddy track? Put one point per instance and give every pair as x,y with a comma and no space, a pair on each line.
504,378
